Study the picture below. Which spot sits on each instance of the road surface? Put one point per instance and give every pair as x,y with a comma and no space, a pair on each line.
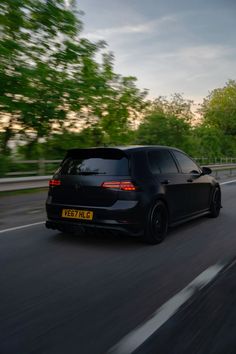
80,295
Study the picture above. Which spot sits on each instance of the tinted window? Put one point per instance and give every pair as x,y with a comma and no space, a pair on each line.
95,165
187,165
162,162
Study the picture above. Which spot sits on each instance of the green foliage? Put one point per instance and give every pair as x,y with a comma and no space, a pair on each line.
4,165
56,145
217,133
160,129
208,142
48,70
35,80
52,85
176,106
119,104
219,109
169,123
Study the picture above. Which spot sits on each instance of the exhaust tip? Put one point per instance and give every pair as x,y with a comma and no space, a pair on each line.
49,225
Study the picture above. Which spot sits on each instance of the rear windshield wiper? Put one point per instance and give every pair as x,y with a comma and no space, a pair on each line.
84,173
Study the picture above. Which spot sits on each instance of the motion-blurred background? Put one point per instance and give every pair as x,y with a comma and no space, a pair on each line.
124,72
59,87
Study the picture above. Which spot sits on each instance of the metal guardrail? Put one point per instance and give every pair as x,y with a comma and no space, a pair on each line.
215,160
24,179
218,168
20,183
42,167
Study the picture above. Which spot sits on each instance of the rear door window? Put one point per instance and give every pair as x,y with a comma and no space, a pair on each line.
187,165
96,164
161,161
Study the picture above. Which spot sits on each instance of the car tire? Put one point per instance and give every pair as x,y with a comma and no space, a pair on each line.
157,223
215,205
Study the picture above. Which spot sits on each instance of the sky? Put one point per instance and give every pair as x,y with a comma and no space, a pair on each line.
184,46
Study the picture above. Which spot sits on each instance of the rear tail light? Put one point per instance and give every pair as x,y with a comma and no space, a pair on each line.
54,182
121,185
127,186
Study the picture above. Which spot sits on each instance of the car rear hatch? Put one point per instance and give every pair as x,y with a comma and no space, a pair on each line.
84,173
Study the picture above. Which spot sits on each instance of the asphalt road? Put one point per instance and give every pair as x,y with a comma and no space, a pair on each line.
62,294
22,209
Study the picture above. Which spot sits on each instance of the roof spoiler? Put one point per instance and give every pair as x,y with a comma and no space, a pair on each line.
96,152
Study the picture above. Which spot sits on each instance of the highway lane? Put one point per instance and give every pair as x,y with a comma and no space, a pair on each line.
21,209
16,210
63,294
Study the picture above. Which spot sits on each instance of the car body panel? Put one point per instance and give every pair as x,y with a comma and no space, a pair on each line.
186,195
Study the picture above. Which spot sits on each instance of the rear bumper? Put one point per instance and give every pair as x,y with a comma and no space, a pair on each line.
81,227
124,216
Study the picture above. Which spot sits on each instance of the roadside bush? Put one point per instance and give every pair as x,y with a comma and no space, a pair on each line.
4,165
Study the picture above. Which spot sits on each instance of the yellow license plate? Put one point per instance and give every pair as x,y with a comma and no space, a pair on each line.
77,214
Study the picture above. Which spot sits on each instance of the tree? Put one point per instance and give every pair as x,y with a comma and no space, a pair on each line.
208,142
167,122
219,109
45,67
49,70
176,106
160,129
56,145
12,81
119,104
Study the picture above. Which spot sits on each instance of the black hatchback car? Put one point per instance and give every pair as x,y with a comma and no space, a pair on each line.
139,190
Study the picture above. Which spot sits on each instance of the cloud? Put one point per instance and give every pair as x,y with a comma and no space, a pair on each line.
190,69
67,3
170,47
116,31
139,28
193,54
206,52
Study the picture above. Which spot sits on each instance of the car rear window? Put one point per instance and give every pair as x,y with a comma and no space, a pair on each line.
95,164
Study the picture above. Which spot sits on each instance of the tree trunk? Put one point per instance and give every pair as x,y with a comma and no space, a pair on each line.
7,135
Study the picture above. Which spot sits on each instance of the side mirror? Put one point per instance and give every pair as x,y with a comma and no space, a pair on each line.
206,170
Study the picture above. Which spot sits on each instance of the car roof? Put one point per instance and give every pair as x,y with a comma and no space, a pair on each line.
127,148
144,147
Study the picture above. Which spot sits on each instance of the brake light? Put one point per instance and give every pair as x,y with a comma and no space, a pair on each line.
127,186
54,182
121,185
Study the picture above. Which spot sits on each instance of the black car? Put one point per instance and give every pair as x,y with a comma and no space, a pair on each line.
139,190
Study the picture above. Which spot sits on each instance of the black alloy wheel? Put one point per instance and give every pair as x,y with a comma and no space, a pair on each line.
215,203
157,224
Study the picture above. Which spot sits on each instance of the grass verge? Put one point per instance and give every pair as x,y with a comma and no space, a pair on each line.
23,191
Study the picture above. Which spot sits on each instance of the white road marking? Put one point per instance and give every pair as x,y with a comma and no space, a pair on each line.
22,227
228,182
138,336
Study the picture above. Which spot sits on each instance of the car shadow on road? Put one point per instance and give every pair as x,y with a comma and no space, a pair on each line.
194,225
110,240
99,239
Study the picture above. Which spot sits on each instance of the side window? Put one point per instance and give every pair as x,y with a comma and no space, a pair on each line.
161,161
187,165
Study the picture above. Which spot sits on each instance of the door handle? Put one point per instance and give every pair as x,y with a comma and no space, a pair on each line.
190,180
166,181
